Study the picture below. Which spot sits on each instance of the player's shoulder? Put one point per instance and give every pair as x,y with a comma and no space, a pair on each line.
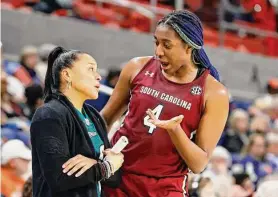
138,61
134,66
215,89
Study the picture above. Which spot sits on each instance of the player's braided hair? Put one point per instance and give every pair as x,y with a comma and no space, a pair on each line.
188,26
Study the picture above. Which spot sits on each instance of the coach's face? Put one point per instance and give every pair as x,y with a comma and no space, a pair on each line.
85,78
170,49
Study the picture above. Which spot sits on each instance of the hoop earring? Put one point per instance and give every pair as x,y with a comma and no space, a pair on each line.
193,57
69,85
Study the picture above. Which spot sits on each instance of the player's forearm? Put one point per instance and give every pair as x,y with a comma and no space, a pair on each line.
110,116
106,118
195,158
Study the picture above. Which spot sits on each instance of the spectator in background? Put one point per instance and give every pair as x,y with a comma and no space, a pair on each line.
49,6
272,147
236,136
272,86
13,124
219,163
11,131
223,185
218,171
205,188
260,124
266,106
275,126
243,186
8,106
267,189
44,50
29,59
268,103
274,112
110,81
34,99
16,70
15,167
14,86
254,162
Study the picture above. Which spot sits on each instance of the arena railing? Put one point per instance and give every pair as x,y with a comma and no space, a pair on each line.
148,10
134,6
151,10
224,6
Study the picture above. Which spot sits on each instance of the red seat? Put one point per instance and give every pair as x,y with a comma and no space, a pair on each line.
60,12
7,6
15,3
194,4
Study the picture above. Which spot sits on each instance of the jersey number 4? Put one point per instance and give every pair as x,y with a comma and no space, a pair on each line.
156,111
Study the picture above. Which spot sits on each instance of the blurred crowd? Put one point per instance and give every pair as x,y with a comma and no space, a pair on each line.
245,160
21,95
260,14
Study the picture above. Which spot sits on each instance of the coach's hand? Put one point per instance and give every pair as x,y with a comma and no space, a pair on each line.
115,159
169,125
78,163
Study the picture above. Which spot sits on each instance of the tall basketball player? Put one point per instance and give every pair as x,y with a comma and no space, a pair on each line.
169,97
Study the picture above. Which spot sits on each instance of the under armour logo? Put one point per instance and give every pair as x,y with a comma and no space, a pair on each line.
151,74
196,90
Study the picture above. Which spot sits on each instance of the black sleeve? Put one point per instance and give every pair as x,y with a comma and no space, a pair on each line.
114,181
50,142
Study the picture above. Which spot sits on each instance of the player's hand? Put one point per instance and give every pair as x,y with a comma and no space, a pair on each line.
115,159
78,163
169,125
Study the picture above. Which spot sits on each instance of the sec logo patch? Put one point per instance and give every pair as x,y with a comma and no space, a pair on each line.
196,90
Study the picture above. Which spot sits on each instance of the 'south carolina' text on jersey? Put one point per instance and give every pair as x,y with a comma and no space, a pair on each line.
165,97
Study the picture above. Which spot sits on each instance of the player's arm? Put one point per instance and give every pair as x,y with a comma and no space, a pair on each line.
210,129
196,155
212,122
117,103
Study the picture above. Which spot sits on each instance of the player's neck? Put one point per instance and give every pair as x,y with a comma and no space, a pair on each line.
188,70
185,74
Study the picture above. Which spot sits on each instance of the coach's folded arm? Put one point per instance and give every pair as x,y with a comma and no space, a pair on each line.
50,143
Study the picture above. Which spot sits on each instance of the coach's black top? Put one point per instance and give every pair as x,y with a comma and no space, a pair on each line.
57,134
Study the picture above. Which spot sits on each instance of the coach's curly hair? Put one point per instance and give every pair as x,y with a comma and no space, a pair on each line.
27,188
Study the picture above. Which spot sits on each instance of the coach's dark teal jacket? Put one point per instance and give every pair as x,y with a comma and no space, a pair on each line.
57,134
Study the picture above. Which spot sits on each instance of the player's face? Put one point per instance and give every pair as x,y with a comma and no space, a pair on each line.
172,52
84,76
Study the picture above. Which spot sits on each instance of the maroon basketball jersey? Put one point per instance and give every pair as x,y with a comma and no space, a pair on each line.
150,151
